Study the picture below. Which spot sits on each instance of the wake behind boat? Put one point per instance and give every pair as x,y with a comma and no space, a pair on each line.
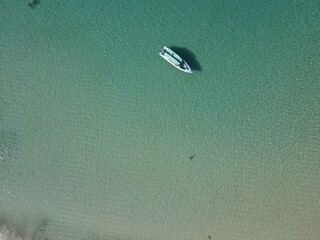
173,58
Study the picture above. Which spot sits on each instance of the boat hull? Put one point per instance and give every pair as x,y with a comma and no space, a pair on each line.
175,60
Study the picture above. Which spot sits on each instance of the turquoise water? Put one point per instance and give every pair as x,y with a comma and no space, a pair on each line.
97,131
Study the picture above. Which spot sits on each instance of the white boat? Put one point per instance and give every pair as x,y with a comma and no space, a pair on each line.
173,58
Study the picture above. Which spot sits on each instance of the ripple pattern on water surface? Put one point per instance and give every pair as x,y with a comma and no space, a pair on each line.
8,145
116,143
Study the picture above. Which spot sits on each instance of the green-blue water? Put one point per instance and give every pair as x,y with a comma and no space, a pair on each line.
100,138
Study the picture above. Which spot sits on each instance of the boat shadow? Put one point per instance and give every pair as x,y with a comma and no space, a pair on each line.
188,56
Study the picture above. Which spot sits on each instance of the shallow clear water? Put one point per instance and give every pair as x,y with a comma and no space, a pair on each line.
100,138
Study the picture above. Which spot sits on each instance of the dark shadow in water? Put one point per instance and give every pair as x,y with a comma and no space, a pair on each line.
188,56
34,3
40,232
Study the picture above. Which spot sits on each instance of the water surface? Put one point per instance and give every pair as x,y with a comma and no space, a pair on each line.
102,139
